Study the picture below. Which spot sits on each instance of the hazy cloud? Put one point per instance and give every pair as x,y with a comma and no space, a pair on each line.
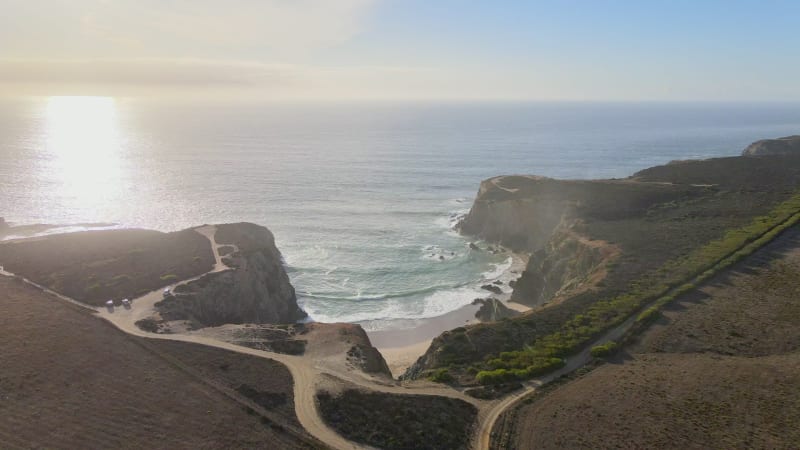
159,76
184,28
146,71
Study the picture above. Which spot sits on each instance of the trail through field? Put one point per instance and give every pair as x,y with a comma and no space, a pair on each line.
308,372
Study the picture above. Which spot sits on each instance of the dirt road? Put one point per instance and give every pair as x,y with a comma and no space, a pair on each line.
304,369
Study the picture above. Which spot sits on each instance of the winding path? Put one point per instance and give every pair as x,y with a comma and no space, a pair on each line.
303,369
306,372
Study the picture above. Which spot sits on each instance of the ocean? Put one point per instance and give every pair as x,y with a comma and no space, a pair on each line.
362,197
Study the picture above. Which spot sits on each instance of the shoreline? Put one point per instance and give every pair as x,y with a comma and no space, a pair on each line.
403,345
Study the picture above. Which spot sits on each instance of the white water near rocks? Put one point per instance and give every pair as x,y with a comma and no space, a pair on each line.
361,197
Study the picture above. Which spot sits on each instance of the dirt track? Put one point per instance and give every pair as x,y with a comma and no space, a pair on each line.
305,370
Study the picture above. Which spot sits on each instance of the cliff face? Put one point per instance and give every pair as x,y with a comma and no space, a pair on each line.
539,216
255,290
788,145
504,214
567,264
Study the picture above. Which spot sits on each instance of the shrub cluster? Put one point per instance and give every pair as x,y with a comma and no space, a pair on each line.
441,376
605,350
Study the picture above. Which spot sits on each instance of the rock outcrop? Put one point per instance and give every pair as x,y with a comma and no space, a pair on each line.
522,213
492,309
568,263
503,214
789,145
255,290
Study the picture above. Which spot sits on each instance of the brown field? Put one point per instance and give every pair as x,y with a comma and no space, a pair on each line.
95,266
70,380
720,369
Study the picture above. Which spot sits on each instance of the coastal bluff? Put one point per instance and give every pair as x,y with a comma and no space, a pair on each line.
769,147
96,266
256,289
590,241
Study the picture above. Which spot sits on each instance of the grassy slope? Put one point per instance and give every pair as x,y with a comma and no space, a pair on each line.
95,266
719,369
70,380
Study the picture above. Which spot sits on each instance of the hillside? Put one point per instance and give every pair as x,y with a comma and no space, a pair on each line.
601,249
720,368
70,380
94,266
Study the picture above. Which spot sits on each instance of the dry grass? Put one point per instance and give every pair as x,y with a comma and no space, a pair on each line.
671,401
94,266
69,380
720,369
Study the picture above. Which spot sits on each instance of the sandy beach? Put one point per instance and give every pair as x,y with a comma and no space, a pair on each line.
403,344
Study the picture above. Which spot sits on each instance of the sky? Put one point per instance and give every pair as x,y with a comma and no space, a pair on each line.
591,50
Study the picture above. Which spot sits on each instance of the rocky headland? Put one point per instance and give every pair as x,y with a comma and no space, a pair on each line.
593,240
769,147
256,289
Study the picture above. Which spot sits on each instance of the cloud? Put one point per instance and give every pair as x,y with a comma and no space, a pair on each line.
192,76
176,28
146,72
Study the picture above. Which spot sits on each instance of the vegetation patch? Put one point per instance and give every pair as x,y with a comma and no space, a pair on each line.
604,350
441,376
390,421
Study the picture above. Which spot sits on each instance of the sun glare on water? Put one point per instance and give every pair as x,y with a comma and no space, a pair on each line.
83,144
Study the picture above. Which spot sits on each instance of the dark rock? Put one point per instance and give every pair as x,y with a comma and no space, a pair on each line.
492,288
473,246
492,309
789,145
256,290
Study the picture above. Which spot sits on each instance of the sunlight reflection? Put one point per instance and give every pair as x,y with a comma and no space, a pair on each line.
83,143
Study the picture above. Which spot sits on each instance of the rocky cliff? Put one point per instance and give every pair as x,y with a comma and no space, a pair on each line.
542,217
519,212
567,264
255,290
592,240
788,145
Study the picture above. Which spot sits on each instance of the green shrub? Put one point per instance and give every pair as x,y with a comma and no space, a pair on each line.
605,350
649,315
169,278
494,376
441,376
